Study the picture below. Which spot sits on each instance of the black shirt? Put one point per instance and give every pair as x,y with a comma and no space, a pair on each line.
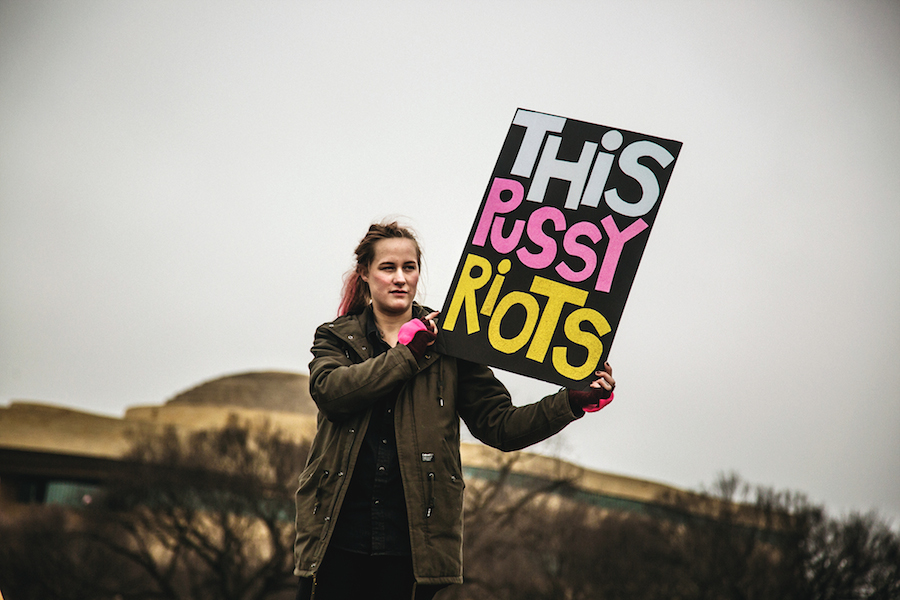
373,517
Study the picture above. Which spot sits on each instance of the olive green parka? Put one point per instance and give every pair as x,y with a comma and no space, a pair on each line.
345,380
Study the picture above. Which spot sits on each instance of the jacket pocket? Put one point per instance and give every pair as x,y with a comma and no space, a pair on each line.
306,492
320,487
444,496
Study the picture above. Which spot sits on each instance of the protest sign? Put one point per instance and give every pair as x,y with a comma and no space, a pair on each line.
543,280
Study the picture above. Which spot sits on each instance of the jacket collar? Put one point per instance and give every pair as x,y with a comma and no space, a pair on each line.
352,329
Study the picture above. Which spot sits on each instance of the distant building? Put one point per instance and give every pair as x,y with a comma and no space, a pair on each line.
55,455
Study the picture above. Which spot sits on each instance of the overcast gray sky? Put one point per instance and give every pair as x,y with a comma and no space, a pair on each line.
182,184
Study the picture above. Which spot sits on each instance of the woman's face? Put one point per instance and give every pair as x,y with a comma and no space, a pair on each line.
393,276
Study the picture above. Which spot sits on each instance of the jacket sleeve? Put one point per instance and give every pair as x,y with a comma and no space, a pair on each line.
484,404
342,388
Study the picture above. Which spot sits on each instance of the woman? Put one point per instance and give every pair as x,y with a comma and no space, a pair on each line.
379,508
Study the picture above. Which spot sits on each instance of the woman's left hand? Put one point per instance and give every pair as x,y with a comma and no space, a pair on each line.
598,394
604,379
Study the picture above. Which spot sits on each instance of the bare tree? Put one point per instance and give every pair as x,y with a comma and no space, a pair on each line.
206,516
857,557
732,542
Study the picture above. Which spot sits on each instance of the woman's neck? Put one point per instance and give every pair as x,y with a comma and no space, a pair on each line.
389,324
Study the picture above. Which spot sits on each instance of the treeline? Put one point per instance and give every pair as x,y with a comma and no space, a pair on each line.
209,516
732,542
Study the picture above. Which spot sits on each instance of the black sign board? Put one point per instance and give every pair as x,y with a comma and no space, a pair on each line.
555,246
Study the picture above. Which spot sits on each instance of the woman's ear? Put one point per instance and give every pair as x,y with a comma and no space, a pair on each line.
363,273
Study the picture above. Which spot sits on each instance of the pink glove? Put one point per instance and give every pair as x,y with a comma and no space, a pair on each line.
409,329
416,336
591,399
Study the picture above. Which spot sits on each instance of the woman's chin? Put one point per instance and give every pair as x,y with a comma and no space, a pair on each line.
396,306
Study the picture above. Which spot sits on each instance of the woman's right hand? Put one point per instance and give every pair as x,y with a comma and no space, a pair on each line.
418,334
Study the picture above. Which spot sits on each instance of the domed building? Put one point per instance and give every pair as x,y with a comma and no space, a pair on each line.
52,454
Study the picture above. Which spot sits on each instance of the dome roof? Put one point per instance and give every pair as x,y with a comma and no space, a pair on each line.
277,391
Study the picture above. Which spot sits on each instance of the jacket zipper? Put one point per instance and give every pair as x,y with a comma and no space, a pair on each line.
441,385
430,508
